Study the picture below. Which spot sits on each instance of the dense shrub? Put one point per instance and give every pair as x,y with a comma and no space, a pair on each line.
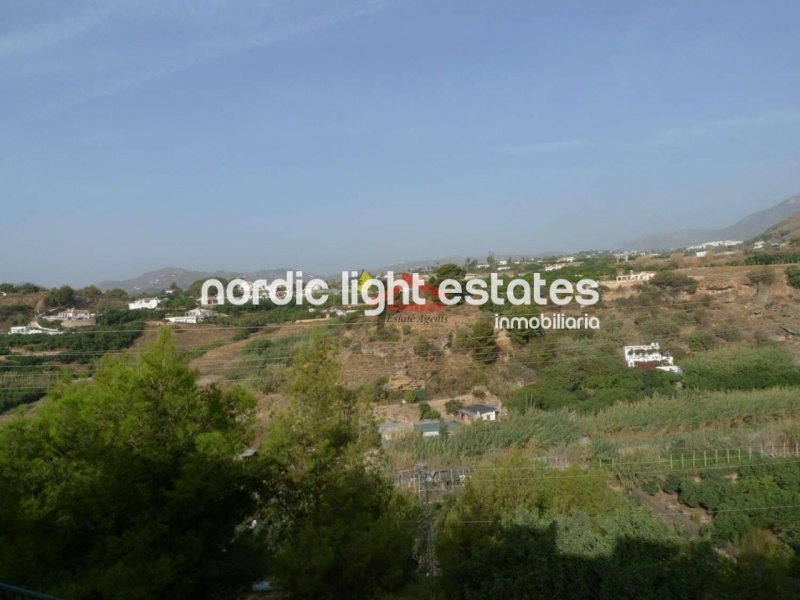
701,341
773,259
674,282
451,407
793,276
480,340
426,412
765,276
732,368
417,395
589,383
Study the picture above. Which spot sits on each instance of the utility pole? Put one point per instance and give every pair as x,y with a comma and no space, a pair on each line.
427,560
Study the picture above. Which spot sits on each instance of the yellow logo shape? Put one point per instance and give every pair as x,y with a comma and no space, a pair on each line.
365,277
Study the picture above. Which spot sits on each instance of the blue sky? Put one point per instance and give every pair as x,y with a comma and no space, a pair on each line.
210,134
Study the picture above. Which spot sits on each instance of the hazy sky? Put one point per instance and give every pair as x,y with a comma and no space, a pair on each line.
324,135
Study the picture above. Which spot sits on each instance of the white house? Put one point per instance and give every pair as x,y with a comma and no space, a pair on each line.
554,267
74,314
631,276
183,319
478,412
650,354
150,303
29,330
196,315
758,246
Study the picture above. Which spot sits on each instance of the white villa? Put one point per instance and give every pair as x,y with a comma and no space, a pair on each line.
30,330
631,276
71,314
150,303
196,315
554,267
650,354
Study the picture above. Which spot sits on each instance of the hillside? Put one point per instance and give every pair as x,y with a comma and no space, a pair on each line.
757,223
161,279
747,228
785,231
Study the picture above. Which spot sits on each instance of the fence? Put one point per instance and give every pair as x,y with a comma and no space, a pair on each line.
451,478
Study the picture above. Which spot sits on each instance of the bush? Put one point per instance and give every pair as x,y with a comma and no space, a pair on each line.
765,276
480,341
423,349
417,395
674,282
426,412
451,407
672,484
700,341
241,334
378,391
651,487
655,327
741,369
793,276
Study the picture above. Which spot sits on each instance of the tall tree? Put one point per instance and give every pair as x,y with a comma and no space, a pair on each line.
335,525
129,486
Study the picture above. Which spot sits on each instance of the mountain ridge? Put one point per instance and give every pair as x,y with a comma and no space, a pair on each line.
744,229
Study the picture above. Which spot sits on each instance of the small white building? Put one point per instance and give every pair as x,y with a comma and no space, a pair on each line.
150,303
30,330
194,316
645,353
631,276
478,412
554,267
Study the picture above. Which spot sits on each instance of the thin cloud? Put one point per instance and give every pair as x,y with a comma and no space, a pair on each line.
726,126
210,51
54,32
542,147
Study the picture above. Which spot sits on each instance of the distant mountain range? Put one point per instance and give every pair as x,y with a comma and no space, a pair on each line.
160,280
746,229
769,222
